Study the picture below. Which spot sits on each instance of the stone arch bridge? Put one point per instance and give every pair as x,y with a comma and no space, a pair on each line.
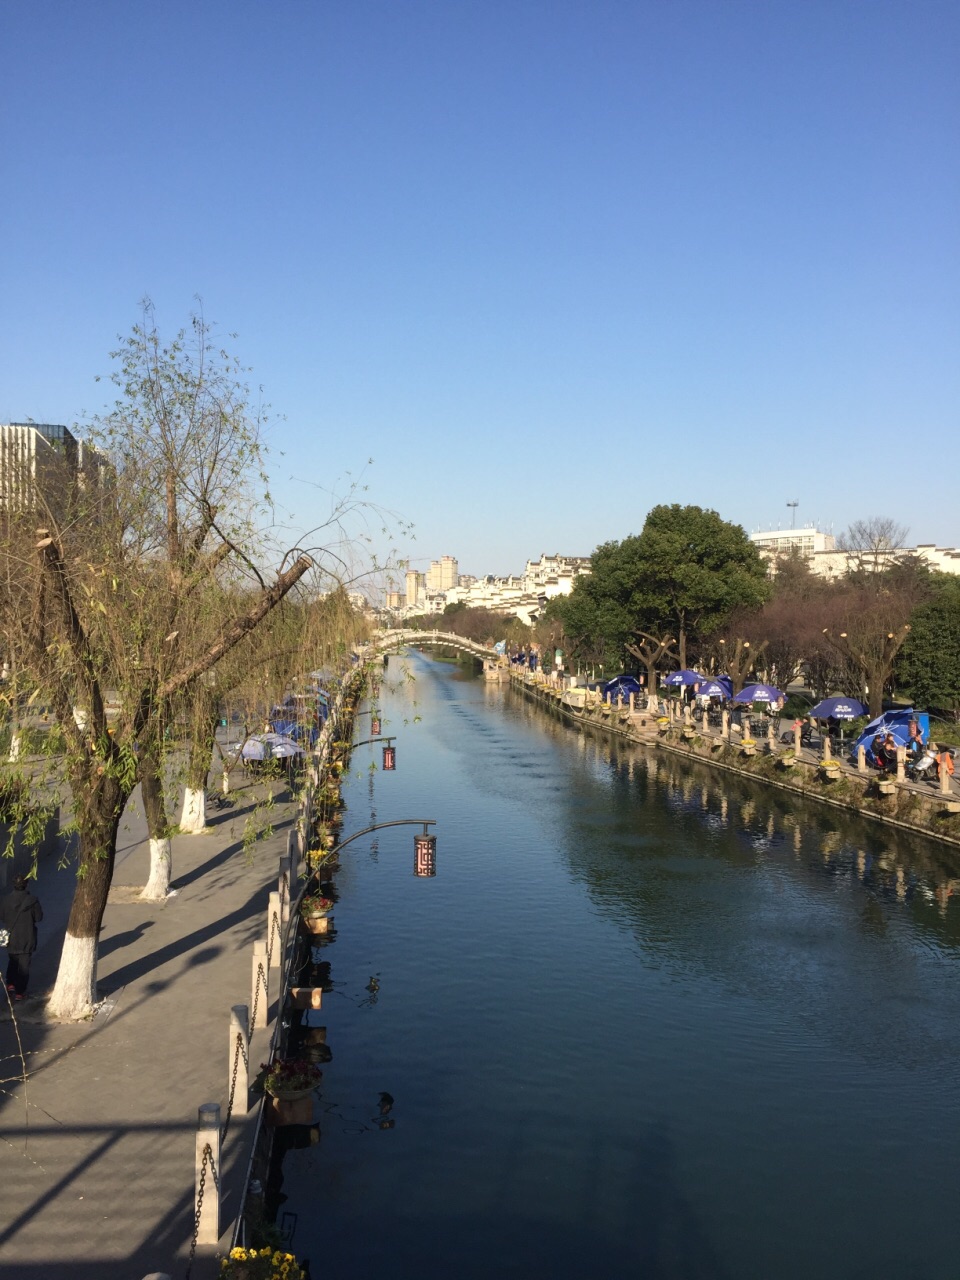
493,662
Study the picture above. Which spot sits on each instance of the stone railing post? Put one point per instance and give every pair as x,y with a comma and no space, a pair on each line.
633,700
705,721
260,989
207,1203
771,738
901,764
283,884
861,759
239,1035
725,725
274,931
826,746
797,745
944,780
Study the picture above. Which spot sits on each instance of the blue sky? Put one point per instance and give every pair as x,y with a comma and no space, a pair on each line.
547,264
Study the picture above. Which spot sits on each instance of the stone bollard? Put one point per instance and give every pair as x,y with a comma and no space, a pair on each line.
705,722
861,759
901,764
826,747
632,703
239,1033
771,738
208,1174
283,885
797,745
260,990
687,714
746,727
274,931
725,725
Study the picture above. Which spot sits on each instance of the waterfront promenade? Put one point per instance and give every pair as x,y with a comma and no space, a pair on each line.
97,1152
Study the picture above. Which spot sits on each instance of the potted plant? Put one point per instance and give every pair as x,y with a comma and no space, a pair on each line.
749,746
314,910
787,760
830,770
259,1264
289,1078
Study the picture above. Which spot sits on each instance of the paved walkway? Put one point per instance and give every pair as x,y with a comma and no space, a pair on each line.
97,1147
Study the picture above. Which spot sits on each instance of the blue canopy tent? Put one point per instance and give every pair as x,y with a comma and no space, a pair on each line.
759,693
622,686
896,723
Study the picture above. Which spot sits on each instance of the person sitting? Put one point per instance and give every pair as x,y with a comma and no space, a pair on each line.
877,751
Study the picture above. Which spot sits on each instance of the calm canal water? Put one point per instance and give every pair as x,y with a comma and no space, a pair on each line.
645,1022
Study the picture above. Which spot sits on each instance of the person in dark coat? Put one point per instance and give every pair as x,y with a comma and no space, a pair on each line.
20,912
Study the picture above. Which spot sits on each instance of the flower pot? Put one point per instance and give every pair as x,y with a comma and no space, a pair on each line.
886,787
748,748
316,924
284,1111
292,1095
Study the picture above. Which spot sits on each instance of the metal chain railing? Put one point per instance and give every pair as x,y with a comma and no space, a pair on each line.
207,1159
238,1052
261,986
275,933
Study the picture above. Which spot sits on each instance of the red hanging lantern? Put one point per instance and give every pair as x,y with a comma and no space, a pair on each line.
424,855
389,759
375,727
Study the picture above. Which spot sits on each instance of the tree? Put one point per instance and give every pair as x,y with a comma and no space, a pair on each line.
692,570
651,651
106,597
871,545
929,662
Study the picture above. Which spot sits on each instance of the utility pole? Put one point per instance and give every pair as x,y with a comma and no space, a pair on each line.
793,512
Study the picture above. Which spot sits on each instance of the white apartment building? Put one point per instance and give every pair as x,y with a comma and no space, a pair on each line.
828,561
42,464
783,542
442,574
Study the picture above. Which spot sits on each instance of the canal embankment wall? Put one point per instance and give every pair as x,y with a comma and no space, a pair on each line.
908,806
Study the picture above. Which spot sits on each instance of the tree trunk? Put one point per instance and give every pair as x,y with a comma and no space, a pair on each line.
193,820
682,650
75,990
161,854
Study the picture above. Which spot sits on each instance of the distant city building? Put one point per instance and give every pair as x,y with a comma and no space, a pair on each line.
442,574
42,465
827,560
784,542
524,596
416,584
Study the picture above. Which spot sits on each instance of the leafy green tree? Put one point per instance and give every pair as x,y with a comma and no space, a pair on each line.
692,570
929,663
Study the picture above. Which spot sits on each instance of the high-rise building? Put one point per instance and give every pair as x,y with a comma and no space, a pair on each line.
42,464
412,583
449,576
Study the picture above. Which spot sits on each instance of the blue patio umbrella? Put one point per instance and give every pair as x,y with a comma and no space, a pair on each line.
683,677
759,693
838,709
721,687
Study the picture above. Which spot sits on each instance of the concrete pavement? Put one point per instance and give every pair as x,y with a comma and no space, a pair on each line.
97,1144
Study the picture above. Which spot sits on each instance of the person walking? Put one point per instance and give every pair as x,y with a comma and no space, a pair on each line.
20,913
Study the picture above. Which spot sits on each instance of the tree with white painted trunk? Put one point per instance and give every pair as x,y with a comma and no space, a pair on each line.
107,587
